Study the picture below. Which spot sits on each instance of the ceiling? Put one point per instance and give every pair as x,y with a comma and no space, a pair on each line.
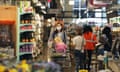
68,9
65,11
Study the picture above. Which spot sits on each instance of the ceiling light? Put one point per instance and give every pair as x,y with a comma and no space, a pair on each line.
35,1
71,2
44,12
39,3
49,20
43,7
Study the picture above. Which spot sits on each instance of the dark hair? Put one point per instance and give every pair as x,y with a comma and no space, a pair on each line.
87,28
106,30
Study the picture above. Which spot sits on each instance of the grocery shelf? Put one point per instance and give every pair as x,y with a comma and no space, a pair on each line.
26,24
22,53
26,13
27,30
22,43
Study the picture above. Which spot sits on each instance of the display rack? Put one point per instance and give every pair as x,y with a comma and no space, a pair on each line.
26,36
39,21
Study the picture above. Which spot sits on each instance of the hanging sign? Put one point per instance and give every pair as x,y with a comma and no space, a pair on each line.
25,7
100,2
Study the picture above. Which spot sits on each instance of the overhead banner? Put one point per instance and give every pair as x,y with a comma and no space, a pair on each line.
25,6
100,2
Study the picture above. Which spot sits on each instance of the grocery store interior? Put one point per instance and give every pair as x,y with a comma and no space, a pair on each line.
42,35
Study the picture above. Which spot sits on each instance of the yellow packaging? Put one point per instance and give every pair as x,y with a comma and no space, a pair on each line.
2,68
83,70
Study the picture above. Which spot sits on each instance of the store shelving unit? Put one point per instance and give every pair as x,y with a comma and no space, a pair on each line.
26,37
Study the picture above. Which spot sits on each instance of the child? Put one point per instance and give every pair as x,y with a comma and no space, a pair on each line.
60,46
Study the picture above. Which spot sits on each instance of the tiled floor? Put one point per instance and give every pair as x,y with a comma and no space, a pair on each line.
115,66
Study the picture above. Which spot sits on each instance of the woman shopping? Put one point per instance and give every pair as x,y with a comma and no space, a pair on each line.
78,44
58,30
91,40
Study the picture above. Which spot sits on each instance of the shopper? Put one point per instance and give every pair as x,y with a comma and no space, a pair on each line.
46,33
78,44
106,32
91,40
58,31
116,48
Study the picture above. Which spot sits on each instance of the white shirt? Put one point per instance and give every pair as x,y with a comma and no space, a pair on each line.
79,42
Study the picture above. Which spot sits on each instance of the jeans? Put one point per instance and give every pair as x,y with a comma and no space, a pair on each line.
88,57
79,60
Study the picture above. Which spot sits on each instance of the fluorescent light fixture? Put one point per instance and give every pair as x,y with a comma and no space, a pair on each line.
44,12
43,7
35,1
109,12
71,2
39,3
62,3
49,20
102,2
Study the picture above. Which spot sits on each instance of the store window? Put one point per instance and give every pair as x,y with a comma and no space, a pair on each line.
103,8
104,21
83,3
91,14
118,12
76,12
83,13
92,17
118,1
98,14
76,4
104,15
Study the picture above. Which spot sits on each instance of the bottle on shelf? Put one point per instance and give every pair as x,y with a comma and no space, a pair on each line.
26,48
27,36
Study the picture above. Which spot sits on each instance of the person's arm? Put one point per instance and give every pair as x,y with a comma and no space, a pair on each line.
51,34
95,39
72,43
84,43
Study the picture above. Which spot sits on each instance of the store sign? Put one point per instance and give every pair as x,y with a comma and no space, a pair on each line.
100,2
92,4
49,1
25,6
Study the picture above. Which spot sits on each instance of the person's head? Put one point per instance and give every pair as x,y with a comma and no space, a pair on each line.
87,28
106,30
57,39
79,31
59,26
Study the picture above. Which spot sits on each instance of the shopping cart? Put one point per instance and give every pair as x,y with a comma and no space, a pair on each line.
63,59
